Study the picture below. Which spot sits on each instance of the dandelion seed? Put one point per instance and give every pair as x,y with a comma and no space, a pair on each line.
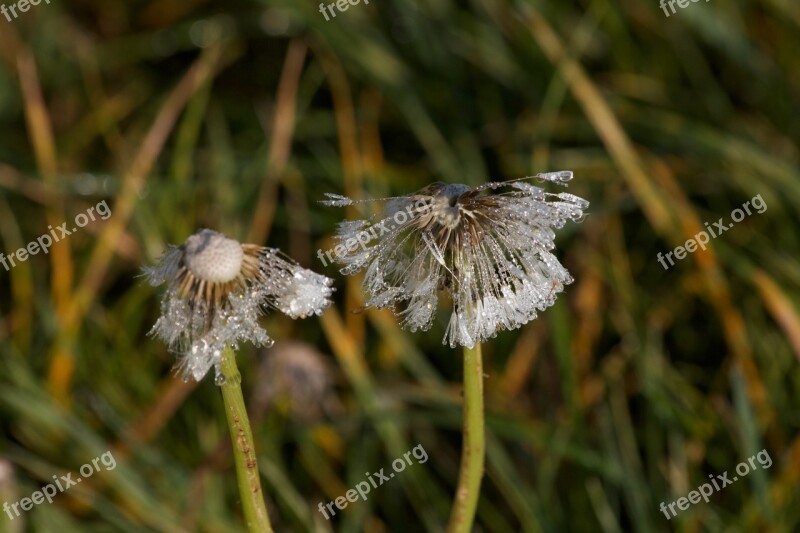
489,247
218,288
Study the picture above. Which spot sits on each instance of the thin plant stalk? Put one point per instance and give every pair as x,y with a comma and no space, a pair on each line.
473,447
255,512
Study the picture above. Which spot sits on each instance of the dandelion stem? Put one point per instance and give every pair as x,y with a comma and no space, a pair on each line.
473,445
244,454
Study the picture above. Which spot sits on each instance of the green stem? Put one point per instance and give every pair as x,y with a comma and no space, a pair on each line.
473,446
244,454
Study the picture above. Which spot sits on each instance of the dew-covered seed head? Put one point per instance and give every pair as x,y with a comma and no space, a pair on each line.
218,289
489,247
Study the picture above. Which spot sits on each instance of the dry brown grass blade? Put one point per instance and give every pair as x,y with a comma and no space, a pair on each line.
346,124
589,307
371,102
33,190
345,348
604,121
19,319
352,168
171,396
37,118
652,198
782,309
784,490
108,112
62,361
10,45
350,356
281,145
300,247
718,291
522,360
41,135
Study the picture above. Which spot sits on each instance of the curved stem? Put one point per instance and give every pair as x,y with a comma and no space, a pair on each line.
473,445
244,453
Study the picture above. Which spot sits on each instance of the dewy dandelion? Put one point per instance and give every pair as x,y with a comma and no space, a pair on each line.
491,252
216,291
217,288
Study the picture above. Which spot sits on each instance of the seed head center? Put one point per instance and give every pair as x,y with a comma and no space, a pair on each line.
444,207
213,257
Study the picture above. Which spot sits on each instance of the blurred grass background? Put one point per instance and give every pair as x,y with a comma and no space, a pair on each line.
634,388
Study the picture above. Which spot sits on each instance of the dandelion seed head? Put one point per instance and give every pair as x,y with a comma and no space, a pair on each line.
218,289
489,248
295,377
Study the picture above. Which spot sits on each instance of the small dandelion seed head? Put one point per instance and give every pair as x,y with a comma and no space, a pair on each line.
217,290
296,377
489,248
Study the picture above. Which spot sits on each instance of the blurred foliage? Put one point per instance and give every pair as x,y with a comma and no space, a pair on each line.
639,384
